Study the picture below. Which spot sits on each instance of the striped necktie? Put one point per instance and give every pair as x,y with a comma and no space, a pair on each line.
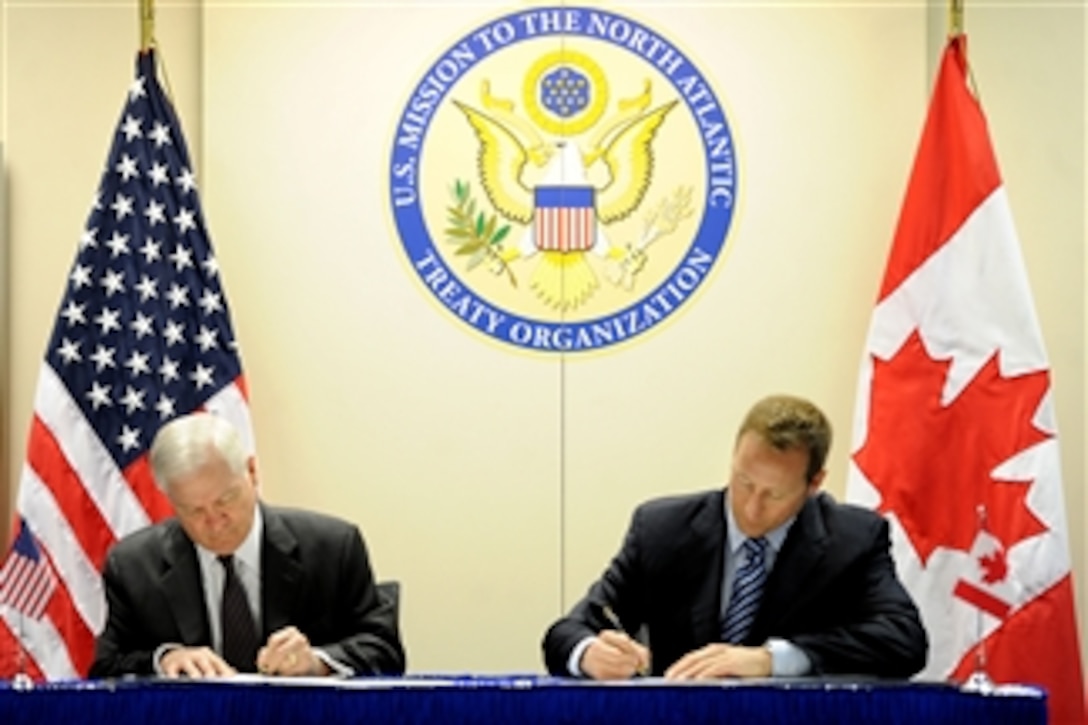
240,639
747,590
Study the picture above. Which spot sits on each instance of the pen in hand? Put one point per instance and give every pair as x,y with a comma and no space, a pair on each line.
616,624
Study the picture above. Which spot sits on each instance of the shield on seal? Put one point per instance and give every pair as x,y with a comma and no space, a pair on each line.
565,218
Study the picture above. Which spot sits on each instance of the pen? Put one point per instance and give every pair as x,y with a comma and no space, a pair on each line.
617,625
613,620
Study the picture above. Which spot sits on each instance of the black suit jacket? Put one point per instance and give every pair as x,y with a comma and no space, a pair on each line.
833,590
315,575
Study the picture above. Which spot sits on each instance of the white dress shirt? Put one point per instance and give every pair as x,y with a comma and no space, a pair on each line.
247,565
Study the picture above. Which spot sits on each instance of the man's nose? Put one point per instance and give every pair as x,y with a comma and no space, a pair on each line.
753,507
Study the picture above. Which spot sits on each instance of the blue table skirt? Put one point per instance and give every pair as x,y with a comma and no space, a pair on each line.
516,700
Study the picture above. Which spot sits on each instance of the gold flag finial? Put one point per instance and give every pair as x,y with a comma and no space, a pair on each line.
147,24
955,18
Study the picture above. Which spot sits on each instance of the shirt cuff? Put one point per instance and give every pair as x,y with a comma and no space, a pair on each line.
787,659
574,662
338,669
160,652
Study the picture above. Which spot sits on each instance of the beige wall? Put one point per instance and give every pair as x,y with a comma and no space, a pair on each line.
495,484
5,405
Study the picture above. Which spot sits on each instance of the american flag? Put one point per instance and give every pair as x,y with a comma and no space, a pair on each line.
26,581
143,335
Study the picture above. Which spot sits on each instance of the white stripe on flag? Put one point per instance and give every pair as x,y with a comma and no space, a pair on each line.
14,580
96,469
26,584
43,642
38,587
47,523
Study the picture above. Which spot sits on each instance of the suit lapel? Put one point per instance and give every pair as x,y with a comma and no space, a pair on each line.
281,572
704,560
800,560
184,587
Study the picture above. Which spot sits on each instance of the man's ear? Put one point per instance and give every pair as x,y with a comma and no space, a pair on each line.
251,469
814,484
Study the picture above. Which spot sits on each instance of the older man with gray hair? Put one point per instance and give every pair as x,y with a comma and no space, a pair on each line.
231,584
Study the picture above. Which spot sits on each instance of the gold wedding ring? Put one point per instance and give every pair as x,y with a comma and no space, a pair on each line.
291,660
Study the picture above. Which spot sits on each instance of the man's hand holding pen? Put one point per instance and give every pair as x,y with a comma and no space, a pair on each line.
613,654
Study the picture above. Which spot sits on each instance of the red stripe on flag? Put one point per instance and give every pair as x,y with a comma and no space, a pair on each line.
139,477
38,589
13,587
67,621
538,228
981,599
243,387
86,521
124,440
954,172
26,585
1033,646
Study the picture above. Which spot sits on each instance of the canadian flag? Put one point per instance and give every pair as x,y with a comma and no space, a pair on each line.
954,437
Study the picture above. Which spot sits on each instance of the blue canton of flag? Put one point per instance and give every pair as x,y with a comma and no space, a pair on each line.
143,332
143,335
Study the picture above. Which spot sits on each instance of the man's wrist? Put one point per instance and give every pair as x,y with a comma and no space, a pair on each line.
574,662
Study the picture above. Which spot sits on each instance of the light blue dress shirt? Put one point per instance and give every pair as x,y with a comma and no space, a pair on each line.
787,659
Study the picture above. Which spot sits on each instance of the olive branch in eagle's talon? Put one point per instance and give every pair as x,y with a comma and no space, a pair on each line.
478,235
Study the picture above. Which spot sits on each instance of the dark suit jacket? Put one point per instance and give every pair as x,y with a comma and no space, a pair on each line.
315,575
833,590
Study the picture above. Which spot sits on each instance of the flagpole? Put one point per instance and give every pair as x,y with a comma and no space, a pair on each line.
979,680
147,25
21,680
955,30
955,18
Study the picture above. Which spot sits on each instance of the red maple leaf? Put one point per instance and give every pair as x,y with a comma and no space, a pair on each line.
994,566
932,463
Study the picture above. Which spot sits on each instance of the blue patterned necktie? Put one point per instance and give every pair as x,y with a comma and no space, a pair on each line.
747,590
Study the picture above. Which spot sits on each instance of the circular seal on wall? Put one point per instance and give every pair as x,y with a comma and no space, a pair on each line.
563,179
